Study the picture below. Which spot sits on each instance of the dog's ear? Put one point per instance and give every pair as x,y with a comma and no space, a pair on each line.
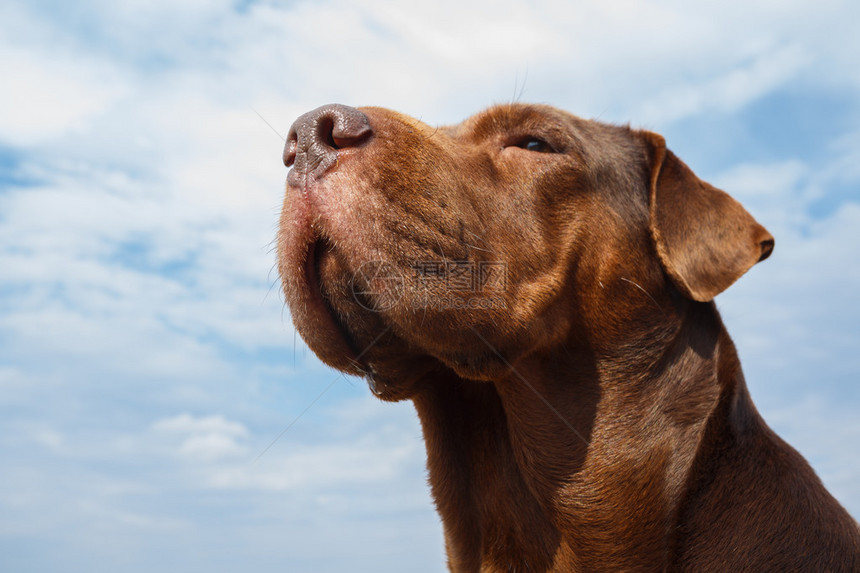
705,239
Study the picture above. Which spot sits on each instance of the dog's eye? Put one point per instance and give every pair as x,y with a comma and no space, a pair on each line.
535,144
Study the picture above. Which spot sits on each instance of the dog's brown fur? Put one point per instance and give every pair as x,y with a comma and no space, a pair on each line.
594,417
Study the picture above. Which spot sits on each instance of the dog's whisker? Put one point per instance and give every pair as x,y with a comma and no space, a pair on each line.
657,304
483,240
471,246
432,134
284,139
321,394
296,419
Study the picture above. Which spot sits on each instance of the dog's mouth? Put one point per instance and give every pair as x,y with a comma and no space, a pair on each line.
317,249
313,314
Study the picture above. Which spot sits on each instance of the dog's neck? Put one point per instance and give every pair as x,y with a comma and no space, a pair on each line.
543,450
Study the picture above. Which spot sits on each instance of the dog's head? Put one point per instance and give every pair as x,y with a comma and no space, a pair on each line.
405,248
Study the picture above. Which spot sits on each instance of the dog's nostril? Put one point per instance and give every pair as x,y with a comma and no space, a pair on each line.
325,130
350,129
341,126
291,148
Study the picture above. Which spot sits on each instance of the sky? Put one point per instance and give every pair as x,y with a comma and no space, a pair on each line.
157,410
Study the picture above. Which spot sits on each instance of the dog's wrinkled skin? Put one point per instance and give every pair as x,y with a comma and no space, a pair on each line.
595,416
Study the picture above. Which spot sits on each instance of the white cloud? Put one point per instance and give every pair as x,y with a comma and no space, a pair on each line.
777,193
729,91
845,167
188,424
50,93
217,454
49,438
209,438
320,468
11,378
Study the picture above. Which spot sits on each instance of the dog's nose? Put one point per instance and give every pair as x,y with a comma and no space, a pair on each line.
316,136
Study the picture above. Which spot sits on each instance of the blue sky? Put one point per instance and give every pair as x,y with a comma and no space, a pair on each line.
146,359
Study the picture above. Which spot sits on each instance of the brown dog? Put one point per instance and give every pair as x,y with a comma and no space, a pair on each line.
540,287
